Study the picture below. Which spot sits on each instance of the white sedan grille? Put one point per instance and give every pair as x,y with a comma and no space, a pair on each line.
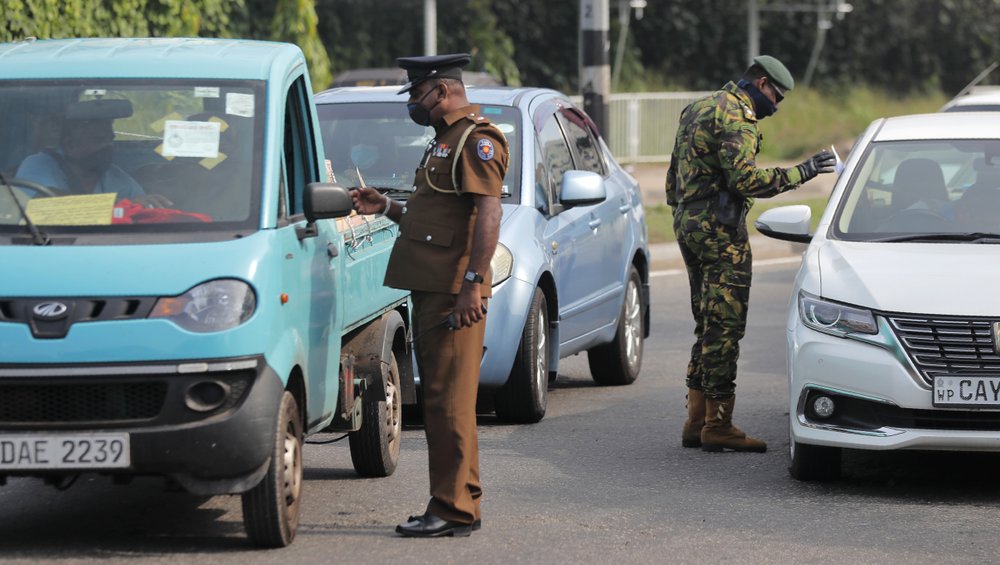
941,345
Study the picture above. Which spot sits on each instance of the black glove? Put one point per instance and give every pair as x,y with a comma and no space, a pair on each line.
822,162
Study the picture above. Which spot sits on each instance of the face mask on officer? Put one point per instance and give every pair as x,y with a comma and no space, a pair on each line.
364,155
761,103
420,115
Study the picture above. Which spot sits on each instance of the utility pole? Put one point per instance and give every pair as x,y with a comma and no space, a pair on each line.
430,27
823,10
595,70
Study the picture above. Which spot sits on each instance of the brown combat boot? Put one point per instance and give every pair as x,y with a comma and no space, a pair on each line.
691,436
719,432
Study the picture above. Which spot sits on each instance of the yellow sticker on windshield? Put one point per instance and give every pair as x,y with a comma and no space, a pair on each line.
76,210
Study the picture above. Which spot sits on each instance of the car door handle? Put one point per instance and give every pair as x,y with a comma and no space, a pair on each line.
624,207
594,224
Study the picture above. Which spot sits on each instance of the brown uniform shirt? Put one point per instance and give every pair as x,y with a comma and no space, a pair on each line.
432,251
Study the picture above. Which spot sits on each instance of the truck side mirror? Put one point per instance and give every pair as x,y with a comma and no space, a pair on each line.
324,200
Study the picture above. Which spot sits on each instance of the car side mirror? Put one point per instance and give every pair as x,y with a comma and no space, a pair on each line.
787,223
582,188
323,200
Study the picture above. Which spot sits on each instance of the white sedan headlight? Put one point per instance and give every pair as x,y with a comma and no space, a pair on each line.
834,318
213,306
502,264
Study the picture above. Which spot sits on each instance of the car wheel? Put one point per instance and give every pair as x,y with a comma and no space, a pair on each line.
813,462
271,509
375,447
618,362
524,397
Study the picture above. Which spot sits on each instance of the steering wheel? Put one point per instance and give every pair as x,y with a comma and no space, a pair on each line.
31,185
917,220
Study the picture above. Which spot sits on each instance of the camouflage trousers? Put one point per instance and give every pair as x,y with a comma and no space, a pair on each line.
718,262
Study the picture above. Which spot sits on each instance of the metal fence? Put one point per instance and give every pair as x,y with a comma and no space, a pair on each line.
642,125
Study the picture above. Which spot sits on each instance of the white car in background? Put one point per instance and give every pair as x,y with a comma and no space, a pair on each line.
894,323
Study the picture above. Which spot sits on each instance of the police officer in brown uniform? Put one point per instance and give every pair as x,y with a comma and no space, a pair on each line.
448,229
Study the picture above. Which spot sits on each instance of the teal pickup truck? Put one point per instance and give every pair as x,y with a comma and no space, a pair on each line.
184,294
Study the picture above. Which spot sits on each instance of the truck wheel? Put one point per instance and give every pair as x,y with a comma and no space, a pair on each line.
271,509
813,462
524,397
375,447
618,362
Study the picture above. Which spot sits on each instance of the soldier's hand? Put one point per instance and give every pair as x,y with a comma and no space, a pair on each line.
822,162
368,200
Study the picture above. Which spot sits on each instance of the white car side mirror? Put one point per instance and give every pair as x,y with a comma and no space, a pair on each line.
787,223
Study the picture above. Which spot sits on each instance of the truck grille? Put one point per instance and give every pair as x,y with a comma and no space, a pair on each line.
943,345
90,402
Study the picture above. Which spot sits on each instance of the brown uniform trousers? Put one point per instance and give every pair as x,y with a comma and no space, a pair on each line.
449,363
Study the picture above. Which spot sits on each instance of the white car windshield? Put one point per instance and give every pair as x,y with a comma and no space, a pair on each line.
913,190
126,156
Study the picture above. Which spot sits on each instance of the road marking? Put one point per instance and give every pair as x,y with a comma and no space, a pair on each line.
764,263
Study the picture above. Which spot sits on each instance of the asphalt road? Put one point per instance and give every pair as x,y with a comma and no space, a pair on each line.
601,479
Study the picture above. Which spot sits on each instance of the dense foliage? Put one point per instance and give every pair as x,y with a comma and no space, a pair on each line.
916,45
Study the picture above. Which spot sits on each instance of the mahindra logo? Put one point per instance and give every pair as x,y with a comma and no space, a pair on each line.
52,310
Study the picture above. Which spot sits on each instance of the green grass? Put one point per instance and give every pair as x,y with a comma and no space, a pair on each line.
660,221
810,120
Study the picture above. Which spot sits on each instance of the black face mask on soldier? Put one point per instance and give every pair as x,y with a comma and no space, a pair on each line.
420,115
761,103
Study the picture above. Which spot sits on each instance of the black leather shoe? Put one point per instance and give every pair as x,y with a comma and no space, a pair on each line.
430,526
477,524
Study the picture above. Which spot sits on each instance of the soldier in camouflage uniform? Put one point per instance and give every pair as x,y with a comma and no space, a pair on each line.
711,183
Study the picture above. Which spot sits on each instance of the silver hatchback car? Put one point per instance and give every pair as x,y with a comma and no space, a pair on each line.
571,273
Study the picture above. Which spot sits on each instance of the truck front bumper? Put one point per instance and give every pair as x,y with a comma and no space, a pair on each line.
208,424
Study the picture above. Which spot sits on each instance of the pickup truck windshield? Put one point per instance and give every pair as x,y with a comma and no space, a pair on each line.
130,156
377,144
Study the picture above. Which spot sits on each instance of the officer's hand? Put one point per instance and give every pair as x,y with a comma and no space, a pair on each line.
469,309
822,162
368,200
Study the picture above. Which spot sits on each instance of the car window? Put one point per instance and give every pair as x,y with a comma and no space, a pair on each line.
101,149
555,153
586,154
544,187
298,167
916,187
377,144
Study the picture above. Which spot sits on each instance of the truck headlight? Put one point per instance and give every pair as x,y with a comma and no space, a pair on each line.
502,264
834,318
209,307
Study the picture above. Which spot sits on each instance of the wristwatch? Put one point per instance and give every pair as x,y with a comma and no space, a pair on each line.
473,276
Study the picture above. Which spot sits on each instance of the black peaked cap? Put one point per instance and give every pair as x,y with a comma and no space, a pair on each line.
419,69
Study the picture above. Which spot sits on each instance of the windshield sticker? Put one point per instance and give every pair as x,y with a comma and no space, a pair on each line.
239,104
76,210
191,139
206,92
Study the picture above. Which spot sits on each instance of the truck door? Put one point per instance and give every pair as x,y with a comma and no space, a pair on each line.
310,268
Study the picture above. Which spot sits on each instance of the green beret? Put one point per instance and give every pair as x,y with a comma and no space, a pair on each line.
776,71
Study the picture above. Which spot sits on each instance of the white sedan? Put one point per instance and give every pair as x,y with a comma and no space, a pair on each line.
894,322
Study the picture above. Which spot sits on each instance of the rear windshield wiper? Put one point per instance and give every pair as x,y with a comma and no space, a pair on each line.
970,237
37,236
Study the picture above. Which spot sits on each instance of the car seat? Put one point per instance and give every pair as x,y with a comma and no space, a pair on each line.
918,181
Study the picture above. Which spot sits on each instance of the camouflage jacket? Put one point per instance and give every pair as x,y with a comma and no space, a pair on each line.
716,146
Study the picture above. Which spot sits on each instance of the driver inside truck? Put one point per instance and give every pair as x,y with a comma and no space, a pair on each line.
82,164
